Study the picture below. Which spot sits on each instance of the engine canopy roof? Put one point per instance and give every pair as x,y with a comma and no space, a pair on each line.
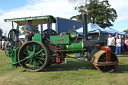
36,20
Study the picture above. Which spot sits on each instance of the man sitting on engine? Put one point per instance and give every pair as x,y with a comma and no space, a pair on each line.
28,28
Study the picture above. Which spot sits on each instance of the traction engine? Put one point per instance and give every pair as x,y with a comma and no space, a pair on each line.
50,48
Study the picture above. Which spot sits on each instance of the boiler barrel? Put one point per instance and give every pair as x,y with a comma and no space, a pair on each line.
75,47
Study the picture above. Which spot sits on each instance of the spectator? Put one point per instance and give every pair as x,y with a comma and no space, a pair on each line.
3,44
126,42
15,38
111,43
118,45
74,29
123,45
22,40
7,44
0,44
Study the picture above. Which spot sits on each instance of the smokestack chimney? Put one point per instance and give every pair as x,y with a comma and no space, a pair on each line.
85,29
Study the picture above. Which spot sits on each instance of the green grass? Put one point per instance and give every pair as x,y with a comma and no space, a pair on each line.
74,72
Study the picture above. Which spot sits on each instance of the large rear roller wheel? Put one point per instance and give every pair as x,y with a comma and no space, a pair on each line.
100,62
33,56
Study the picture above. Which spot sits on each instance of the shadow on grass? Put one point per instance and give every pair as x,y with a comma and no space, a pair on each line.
121,69
69,66
75,66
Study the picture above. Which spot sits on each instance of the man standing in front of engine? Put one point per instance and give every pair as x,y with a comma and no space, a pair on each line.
111,43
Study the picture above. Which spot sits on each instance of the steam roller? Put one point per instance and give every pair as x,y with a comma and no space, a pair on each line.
49,47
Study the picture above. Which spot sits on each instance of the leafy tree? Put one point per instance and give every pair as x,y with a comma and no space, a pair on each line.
1,32
99,12
126,31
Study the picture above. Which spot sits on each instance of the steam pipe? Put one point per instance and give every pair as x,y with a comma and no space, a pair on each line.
85,29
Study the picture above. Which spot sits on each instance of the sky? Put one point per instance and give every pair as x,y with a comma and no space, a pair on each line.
57,8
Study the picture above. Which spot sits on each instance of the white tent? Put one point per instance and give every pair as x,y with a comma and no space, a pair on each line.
22,36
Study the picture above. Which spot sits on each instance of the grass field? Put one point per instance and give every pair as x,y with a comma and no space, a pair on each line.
74,72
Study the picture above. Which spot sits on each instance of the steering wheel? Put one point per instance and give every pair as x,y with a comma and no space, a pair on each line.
11,36
12,33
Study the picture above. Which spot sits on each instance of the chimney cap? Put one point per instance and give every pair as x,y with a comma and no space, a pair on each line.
84,12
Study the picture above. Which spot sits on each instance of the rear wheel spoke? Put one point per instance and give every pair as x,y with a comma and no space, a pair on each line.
34,47
28,50
39,51
30,63
41,58
38,48
24,59
33,64
40,62
27,61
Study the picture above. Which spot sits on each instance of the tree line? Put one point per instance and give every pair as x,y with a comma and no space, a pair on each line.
99,12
